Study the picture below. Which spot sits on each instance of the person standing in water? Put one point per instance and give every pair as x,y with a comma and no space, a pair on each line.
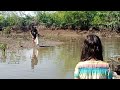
91,65
35,35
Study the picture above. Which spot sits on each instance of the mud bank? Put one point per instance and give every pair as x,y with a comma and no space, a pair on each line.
17,41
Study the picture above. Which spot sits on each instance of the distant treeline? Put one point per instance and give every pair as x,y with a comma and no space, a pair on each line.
72,20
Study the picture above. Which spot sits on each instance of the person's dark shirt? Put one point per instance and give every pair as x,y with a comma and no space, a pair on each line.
34,32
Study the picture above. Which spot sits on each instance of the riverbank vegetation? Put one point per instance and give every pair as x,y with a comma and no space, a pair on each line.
57,25
71,20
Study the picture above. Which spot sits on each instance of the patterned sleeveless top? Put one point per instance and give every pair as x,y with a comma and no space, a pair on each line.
93,70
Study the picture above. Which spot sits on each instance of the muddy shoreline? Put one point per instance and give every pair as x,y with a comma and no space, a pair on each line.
17,41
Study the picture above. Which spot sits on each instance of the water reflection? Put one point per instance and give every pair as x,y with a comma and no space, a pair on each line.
17,57
111,47
51,62
13,58
3,56
34,60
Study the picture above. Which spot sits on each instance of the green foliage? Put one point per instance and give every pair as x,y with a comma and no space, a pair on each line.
7,30
3,46
64,19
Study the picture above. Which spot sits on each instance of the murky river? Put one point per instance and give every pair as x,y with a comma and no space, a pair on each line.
49,62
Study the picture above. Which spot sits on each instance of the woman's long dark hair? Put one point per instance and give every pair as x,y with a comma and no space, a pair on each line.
92,48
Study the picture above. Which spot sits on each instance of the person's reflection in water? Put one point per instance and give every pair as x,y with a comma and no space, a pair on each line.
34,59
3,56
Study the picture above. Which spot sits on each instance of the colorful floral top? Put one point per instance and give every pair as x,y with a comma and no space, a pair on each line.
93,70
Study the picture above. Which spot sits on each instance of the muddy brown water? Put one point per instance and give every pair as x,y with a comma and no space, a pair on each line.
56,62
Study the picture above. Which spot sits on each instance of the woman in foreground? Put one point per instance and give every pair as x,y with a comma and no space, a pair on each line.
92,65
